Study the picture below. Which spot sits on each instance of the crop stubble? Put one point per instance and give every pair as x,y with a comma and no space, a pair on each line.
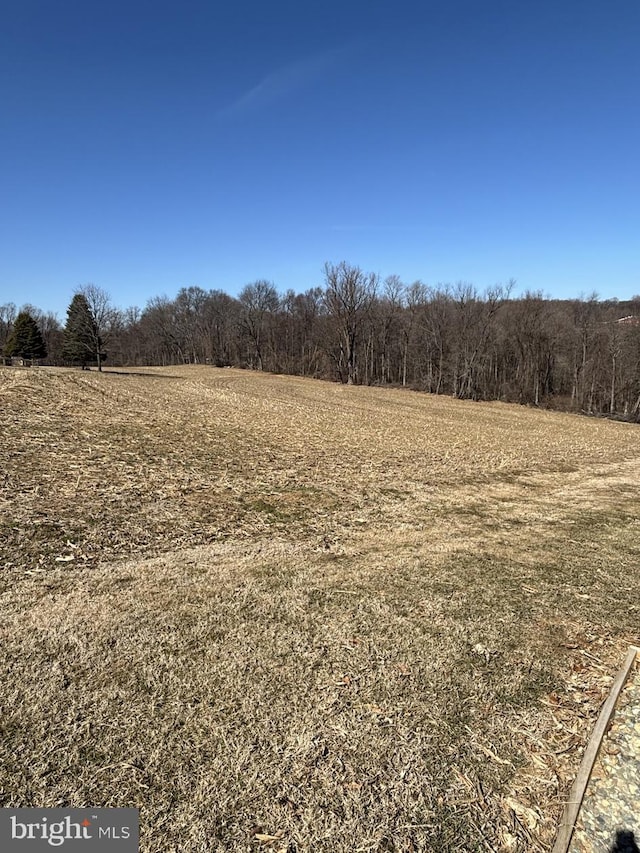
283,614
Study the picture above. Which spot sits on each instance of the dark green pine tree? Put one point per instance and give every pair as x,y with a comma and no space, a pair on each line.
81,342
26,339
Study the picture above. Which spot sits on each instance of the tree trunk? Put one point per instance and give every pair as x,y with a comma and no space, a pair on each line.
404,367
351,359
612,401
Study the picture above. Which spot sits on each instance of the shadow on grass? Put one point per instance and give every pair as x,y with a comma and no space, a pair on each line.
140,373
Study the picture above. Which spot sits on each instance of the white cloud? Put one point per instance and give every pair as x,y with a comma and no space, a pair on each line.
284,82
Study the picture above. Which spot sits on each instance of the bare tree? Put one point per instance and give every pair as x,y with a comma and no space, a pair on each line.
221,323
438,339
390,308
415,299
8,314
474,323
308,317
258,300
104,317
584,325
348,296
615,335
191,315
163,331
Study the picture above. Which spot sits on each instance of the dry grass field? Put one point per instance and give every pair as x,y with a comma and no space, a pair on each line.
284,615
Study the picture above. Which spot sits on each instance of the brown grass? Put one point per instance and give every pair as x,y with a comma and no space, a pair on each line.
284,615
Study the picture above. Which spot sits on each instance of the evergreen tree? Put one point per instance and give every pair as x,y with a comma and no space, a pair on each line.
81,339
25,340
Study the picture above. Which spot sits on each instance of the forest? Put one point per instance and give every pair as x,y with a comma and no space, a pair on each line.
577,355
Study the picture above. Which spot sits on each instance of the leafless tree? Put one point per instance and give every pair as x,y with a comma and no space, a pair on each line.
475,323
8,314
104,317
221,322
163,332
258,301
349,295
415,300
389,321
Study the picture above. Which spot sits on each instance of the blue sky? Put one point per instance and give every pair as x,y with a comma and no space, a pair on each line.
147,146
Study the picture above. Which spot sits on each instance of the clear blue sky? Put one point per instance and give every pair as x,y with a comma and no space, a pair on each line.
147,146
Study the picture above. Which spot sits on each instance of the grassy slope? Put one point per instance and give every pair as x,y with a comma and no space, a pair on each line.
347,618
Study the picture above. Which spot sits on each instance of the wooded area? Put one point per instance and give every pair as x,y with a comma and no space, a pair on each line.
581,355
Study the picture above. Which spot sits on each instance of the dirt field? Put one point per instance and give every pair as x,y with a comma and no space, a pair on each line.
284,615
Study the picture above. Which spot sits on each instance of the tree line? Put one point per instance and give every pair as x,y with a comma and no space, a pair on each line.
580,355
